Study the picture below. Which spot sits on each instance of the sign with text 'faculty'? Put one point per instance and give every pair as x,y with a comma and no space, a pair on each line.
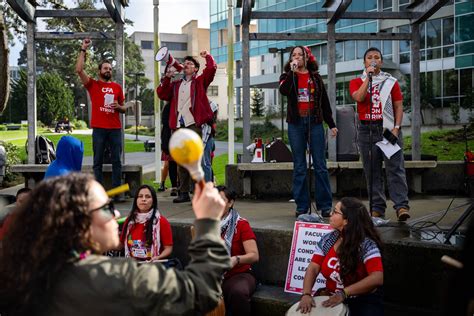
305,238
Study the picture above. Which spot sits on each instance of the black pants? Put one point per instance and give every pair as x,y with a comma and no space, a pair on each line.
366,305
238,290
173,173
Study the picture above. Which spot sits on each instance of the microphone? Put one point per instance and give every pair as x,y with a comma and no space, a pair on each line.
372,64
293,66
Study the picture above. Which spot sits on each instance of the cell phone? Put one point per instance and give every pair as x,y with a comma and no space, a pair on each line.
390,137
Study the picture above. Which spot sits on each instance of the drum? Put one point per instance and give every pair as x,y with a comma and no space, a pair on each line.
320,310
219,310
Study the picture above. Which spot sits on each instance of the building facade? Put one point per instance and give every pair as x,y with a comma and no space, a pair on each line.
447,52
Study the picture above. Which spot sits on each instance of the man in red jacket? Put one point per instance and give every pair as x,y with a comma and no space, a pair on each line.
189,105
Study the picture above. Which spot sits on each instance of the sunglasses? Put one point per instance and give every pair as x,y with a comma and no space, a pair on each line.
107,210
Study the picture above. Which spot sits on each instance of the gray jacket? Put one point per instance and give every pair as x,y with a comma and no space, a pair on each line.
100,285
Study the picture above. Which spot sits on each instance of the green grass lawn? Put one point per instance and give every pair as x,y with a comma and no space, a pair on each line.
18,138
446,144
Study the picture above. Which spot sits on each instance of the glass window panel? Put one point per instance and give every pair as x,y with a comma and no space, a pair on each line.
339,51
465,48
466,76
324,54
404,58
433,33
433,53
376,44
349,50
423,36
434,81
387,4
387,47
448,31
339,93
450,102
450,82
404,46
361,48
448,51
464,28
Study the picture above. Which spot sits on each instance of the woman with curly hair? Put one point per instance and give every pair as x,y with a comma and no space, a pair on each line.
51,262
308,107
146,233
349,258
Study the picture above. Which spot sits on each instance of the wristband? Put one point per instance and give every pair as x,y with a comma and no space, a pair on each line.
304,294
238,259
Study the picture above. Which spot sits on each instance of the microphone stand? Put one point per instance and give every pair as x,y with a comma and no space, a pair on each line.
371,151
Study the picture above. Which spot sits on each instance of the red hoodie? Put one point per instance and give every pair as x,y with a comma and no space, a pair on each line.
200,107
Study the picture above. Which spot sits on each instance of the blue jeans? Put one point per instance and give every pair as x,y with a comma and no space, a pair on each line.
394,168
206,160
298,136
113,138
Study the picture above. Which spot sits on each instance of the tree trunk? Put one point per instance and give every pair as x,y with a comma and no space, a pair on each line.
4,69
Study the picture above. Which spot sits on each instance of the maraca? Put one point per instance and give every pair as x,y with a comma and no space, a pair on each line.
186,148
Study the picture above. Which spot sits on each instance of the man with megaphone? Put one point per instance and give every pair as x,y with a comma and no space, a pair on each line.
189,104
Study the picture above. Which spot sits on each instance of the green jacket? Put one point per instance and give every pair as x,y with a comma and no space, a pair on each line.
100,285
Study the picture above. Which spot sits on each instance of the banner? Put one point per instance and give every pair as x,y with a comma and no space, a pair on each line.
305,238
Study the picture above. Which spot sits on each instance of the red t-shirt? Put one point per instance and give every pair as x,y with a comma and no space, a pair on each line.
243,232
136,239
363,108
102,94
305,91
330,268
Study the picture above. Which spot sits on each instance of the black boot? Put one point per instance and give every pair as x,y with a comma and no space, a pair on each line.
162,187
183,197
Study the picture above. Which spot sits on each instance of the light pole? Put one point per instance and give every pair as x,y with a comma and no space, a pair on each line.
82,105
136,74
281,51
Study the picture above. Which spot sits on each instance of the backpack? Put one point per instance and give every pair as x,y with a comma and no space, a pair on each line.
45,152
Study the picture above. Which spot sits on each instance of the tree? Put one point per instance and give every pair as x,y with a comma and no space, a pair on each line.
426,97
55,98
257,103
4,70
60,55
147,97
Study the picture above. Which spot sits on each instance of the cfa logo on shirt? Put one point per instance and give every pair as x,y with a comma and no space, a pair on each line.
107,90
333,263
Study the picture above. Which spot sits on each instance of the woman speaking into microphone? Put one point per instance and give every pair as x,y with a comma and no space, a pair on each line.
308,106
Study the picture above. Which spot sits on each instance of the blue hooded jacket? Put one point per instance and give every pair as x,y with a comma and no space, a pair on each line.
69,155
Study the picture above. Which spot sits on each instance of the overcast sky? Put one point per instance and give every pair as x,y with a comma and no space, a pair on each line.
173,15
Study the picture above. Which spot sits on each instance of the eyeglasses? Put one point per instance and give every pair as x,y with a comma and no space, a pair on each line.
107,210
334,211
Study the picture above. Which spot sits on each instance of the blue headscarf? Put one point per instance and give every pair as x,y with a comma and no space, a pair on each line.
69,153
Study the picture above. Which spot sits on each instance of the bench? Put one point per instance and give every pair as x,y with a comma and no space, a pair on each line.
132,174
247,170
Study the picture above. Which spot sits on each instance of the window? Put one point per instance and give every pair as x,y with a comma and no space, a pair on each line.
339,51
404,45
274,69
349,50
146,44
361,48
263,71
174,46
213,91
386,5
262,58
403,4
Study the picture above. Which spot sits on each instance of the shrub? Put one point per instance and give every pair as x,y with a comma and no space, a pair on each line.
13,158
80,124
3,127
